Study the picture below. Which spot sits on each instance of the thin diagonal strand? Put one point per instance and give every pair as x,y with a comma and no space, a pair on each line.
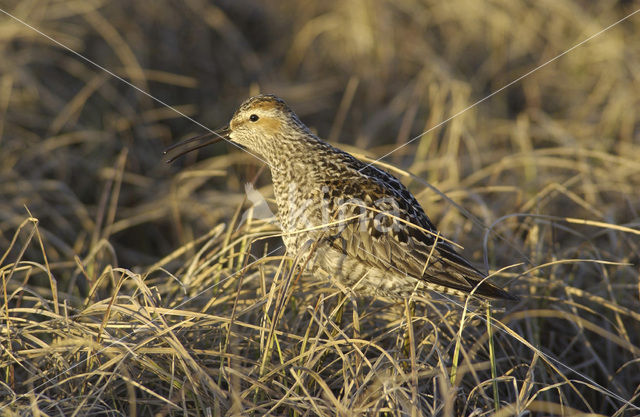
95,64
504,87
162,103
457,114
466,213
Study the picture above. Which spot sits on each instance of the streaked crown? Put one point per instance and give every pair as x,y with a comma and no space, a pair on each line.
265,125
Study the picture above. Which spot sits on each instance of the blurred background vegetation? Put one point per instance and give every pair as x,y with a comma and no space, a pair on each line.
81,151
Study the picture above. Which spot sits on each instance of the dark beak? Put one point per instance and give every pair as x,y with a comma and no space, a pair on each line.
174,152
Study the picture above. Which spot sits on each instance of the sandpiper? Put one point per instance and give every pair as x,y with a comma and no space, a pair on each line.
343,217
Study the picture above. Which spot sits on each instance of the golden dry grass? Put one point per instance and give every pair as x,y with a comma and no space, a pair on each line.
129,287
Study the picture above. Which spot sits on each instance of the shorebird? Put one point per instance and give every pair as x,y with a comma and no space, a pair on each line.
346,218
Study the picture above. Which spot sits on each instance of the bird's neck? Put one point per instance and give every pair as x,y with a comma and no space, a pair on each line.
296,170
292,157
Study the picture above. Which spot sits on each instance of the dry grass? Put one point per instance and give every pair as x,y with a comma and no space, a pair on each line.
128,287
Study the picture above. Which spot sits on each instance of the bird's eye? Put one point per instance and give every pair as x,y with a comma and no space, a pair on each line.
254,117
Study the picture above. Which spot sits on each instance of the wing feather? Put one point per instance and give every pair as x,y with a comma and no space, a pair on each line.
407,246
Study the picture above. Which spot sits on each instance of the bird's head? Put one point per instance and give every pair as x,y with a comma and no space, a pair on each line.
263,124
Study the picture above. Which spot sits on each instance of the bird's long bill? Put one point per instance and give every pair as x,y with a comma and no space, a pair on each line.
174,152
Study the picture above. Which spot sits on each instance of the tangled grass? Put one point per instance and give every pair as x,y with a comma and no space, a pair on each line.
134,288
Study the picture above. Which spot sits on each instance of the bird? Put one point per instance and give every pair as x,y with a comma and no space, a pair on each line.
343,218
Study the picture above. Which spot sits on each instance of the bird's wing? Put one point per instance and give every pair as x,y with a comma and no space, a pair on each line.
390,231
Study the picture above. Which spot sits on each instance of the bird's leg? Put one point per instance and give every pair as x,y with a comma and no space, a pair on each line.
338,312
408,345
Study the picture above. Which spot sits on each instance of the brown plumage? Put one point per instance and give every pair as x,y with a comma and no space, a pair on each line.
351,220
